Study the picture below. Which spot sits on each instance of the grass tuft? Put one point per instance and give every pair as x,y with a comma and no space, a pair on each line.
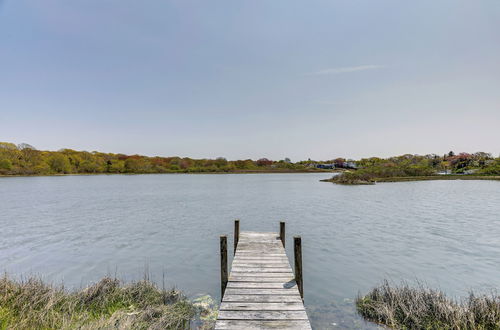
405,307
33,304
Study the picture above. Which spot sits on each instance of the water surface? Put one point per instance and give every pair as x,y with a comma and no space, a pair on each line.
77,229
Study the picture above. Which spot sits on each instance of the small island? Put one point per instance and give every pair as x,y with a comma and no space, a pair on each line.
462,166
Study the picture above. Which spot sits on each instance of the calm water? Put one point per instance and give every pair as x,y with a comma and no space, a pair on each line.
77,229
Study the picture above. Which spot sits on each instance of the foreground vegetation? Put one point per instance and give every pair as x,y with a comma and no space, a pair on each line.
24,159
479,165
405,307
32,304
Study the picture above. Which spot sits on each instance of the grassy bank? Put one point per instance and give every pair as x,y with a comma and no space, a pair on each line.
405,307
439,177
354,179
33,304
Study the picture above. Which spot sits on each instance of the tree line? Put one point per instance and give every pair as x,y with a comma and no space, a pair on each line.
24,159
416,165
370,169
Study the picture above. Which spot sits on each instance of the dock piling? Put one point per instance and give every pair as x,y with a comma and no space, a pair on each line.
223,264
236,234
297,240
282,232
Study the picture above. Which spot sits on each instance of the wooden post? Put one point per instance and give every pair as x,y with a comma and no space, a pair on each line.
223,265
297,247
282,232
236,234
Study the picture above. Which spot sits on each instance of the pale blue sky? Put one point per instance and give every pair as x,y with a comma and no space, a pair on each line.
251,79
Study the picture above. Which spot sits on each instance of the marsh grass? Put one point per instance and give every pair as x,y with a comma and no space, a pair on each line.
360,178
406,307
107,304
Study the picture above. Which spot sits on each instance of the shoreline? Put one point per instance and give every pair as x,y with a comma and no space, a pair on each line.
105,304
416,178
169,173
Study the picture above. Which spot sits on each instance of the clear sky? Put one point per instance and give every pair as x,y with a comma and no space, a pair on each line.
250,79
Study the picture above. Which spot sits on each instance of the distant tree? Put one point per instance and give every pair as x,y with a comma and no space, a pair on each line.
221,162
185,163
339,162
137,164
59,163
480,158
23,146
264,162
240,164
117,166
41,168
8,146
88,166
5,166
29,158
174,167
9,151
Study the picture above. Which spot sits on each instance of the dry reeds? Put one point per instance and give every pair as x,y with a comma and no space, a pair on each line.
33,304
405,307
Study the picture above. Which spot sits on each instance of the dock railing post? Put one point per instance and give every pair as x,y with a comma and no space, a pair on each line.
223,265
236,234
297,248
282,232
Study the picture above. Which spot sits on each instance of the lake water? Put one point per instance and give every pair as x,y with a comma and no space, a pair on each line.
77,229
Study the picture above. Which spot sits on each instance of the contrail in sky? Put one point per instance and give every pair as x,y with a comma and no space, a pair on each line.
348,69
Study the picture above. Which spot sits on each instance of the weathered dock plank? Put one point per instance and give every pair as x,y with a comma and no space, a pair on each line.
253,324
257,274
240,269
281,279
261,291
254,263
261,285
262,298
253,306
248,291
262,315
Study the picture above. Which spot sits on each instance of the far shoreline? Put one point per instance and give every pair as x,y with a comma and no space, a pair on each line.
169,173
416,178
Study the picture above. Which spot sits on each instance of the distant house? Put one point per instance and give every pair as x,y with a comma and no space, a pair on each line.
472,171
350,165
326,166
331,166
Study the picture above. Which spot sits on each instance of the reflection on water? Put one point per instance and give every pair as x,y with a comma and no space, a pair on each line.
79,228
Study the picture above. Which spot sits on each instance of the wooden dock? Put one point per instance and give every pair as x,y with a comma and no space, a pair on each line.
261,291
